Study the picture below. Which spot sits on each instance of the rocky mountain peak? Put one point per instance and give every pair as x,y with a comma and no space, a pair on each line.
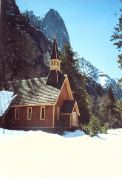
24,50
96,75
53,25
9,7
52,12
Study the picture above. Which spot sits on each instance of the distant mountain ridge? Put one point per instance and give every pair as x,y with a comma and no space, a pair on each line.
99,77
25,50
52,25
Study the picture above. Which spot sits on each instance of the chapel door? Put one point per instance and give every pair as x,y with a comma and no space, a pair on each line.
74,119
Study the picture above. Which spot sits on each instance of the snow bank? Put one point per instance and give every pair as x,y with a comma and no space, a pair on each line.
76,133
39,154
5,100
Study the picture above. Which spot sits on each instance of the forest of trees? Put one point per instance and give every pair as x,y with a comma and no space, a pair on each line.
97,113
100,110
117,39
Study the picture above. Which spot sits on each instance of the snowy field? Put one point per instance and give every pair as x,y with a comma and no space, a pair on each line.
39,154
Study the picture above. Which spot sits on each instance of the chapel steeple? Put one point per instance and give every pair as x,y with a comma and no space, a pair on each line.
55,77
55,61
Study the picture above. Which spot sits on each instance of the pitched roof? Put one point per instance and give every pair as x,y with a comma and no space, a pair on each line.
67,106
55,54
33,91
55,79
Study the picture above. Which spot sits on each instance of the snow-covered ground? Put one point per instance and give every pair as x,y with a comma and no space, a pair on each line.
39,154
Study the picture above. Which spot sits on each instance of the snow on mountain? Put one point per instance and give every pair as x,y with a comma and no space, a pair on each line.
35,153
102,79
99,77
32,48
52,24
5,100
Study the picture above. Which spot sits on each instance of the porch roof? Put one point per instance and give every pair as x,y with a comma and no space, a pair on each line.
67,106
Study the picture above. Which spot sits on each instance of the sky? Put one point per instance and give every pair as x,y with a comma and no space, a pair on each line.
90,24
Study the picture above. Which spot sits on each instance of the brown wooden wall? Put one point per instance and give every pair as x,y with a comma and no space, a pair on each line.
35,121
63,96
65,121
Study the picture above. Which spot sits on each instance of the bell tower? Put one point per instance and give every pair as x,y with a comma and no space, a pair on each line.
55,61
55,77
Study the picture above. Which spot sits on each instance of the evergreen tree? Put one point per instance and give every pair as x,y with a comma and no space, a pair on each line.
105,108
69,66
95,126
119,109
119,106
117,38
113,114
35,20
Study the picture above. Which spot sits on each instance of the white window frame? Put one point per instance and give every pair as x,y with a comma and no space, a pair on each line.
29,108
17,114
42,108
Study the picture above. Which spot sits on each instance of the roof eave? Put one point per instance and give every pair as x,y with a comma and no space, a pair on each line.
33,105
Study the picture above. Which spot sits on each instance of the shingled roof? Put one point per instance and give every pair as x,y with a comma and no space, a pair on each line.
33,92
55,79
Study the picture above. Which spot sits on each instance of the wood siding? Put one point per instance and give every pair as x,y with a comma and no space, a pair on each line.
51,118
35,121
64,95
65,121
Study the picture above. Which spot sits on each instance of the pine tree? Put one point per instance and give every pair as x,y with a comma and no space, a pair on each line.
105,108
113,114
117,38
35,20
69,66
95,126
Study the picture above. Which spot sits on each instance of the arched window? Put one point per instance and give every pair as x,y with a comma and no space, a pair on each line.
17,113
42,113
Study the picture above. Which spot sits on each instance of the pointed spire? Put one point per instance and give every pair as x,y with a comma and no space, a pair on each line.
55,54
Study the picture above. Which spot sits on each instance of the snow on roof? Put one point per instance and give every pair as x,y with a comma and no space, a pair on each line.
6,98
